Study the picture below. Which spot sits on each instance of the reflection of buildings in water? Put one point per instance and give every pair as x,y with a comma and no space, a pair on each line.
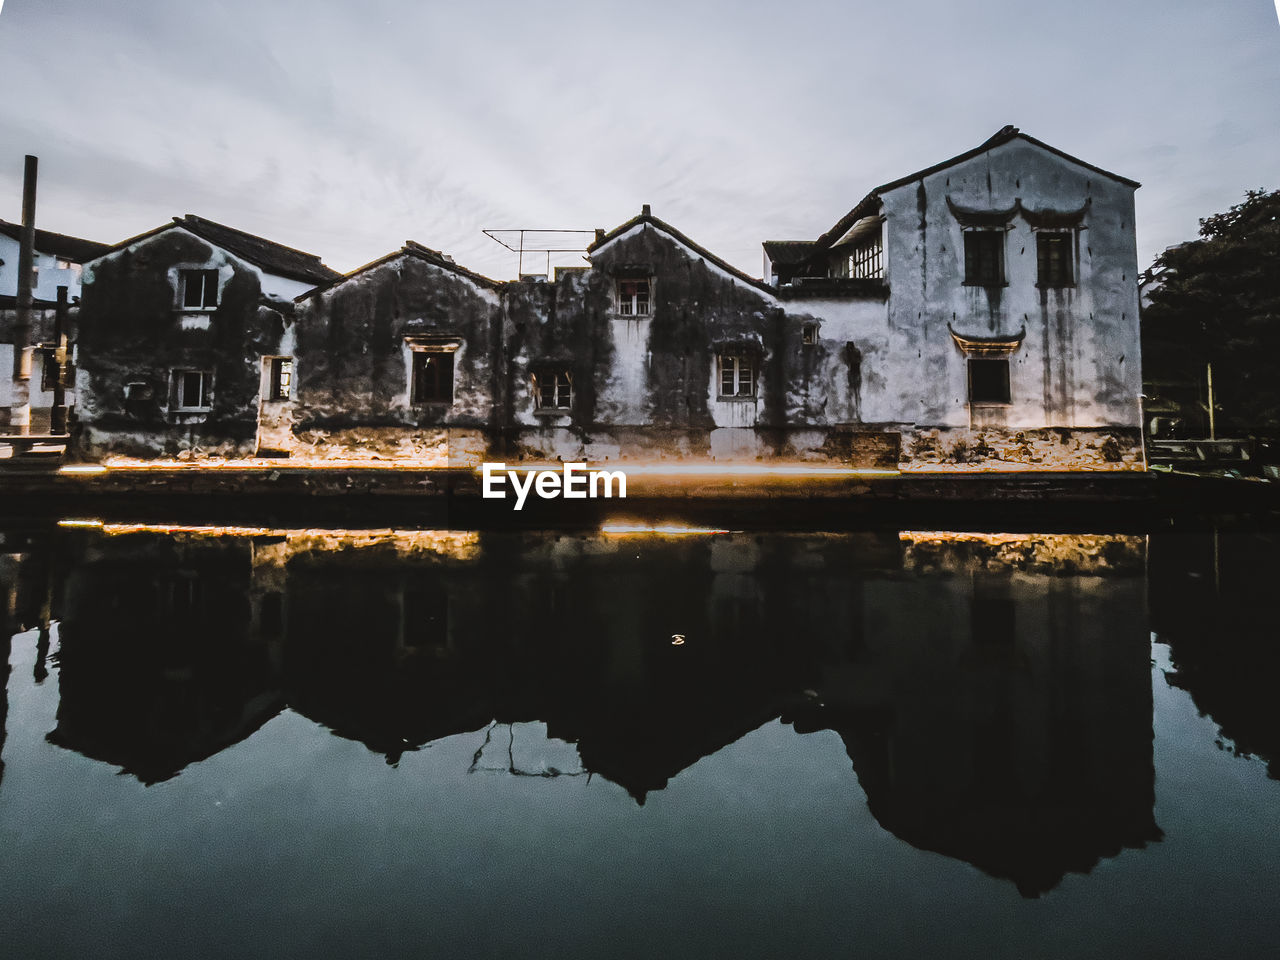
158,664
993,691
1214,601
1003,717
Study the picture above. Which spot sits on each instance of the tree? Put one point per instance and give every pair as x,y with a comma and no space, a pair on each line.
1218,302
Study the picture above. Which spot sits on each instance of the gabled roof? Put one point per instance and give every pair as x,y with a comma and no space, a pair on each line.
648,218
871,201
58,244
413,249
274,258
787,252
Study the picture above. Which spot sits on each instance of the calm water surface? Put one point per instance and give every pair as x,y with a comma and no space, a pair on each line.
241,743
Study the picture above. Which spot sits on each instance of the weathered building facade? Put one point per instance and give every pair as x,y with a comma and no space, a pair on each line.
980,314
186,340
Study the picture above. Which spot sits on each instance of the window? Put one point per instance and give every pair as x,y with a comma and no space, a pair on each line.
199,289
432,377
867,259
192,390
984,258
737,377
1054,260
809,333
633,298
279,378
988,380
553,390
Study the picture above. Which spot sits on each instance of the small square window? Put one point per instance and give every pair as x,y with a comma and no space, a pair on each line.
988,380
279,378
809,333
984,258
199,289
737,377
553,390
633,298
192,390
432,377
1054,259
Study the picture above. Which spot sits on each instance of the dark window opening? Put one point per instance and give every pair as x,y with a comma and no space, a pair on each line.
271,615
199,289
988,380
281,375
1054,260
737,377
426,620
50,370
984,258
633,298
809,334
192,389
553,390
432,377
993,623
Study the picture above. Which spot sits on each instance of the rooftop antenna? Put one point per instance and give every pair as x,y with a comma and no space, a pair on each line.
526,240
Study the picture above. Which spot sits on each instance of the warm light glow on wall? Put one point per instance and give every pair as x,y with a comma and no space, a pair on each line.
660,529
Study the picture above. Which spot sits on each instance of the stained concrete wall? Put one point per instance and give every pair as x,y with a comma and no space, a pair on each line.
354,365
133,333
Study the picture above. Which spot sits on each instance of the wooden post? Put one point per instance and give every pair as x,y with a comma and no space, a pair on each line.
1213,435
58,415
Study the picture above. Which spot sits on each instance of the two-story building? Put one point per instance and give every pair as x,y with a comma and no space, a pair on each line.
186,342
979,314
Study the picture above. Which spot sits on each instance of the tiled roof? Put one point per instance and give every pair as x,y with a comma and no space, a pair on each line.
74,249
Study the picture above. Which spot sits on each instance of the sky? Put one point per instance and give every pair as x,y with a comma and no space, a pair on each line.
346,128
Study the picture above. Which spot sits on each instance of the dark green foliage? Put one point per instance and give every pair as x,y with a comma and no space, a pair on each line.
1219,303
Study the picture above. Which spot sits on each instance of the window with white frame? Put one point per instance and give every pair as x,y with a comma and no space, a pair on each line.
192,390
633,298
199,289
553,389
737,377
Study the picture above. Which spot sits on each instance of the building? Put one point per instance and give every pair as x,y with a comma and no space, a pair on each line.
186,340
978,314
57,262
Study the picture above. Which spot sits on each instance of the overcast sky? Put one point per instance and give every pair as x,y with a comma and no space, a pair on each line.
346,128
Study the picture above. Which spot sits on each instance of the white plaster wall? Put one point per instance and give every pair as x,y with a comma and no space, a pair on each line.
624,401
828,398
1079,363
49,277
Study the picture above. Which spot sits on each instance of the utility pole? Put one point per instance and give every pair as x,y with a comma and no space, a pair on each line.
20,405
58,415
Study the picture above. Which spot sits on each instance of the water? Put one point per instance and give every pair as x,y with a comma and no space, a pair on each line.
374,743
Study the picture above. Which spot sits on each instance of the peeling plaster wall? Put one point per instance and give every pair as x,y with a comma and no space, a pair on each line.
1078,365
133,334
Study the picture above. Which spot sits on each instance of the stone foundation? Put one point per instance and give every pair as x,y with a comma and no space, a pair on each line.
956,449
